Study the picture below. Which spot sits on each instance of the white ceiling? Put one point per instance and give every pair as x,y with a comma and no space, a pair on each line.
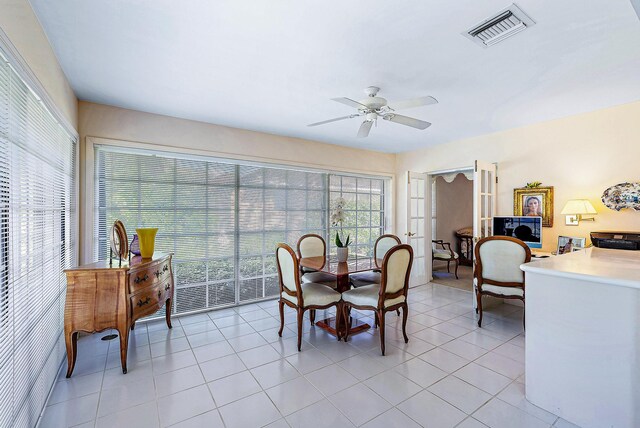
272,66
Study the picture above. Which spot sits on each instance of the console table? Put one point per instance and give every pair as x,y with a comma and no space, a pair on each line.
101,297
464,248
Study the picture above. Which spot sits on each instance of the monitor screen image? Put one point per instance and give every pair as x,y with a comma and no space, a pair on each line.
527,229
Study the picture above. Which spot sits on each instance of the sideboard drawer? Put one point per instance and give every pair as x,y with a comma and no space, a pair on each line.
152,275
149,300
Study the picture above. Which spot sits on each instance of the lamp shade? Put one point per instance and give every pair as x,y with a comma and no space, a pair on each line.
578,206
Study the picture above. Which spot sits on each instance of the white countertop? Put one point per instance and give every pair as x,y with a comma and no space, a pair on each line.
615,267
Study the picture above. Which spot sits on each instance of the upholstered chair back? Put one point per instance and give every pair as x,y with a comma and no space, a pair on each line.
396,268
384,244
287,267
500,259
311,246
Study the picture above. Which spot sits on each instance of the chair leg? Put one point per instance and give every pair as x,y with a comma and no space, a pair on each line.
347,322
405,309
281,308
457,268
479,300
312,316
381,316
338,320
398,312
300,319
448,264
375,317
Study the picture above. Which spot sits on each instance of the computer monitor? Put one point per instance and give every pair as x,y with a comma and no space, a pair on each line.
527,229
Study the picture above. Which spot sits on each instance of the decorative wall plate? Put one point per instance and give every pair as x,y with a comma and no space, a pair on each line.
623,195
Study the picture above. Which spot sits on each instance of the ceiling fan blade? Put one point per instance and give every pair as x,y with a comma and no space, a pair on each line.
350,102
416,102
333,120
365,128
408,121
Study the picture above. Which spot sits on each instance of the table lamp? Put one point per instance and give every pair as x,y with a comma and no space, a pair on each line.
575,209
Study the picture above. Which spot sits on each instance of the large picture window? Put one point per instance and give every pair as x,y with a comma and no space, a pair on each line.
223,220
37,242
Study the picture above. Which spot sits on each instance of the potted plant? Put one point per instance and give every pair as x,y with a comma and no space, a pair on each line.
337,217
343,247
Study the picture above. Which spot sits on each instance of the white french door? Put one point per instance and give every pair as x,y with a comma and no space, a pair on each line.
418,231
484,202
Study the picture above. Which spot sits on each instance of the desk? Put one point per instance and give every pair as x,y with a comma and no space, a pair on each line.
341,270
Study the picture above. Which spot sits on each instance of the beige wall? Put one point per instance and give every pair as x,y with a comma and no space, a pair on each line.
21,26
128,126
454,207
579,155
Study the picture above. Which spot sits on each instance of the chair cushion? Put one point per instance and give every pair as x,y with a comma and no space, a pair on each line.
503,291
368,296
365,278
315,295
320,278
444,254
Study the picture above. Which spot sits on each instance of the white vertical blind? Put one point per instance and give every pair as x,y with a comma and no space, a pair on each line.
221,220
37,242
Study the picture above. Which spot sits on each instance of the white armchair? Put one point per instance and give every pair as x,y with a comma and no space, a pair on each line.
312,245
383,244
497,272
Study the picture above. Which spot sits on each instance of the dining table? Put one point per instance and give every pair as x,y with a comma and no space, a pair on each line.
341,270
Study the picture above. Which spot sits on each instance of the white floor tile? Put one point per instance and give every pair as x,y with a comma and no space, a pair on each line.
212,351
205,338
501,364
210,419
178,380
76,386
293,395
471,423
431,411
462,395
420,372
483,378
464,349
498,414
232,388
184,405
274,373
200,327
434,337
71,412
331,379
126,395
236,330
140,416
308,360
482,340
249,341
444,360
562,423
221,367
263,412
514,394
393,418
319,415
393,387
362,366
165,347
258,356
359,403
171,362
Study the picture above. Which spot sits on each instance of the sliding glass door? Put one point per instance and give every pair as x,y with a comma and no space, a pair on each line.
222,220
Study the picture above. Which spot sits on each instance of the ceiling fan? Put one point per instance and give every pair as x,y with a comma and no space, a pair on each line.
373,107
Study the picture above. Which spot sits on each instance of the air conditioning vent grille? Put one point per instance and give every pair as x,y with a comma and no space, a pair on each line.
500,26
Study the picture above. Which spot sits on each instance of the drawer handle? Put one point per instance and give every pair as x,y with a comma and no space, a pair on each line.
138,280
145,302
165,268
167,287
158,273
159,295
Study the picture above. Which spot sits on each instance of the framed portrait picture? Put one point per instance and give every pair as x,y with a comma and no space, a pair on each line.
568,244
535,202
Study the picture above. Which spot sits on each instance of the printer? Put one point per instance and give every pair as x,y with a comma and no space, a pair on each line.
616,240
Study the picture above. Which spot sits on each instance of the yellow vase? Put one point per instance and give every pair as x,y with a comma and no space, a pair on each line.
147,238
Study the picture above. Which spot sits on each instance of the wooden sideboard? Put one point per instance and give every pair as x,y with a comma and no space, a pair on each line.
101,297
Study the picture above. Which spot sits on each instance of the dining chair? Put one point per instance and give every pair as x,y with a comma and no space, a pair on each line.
383,244
312,245
389,295
301,296
444,253
497,271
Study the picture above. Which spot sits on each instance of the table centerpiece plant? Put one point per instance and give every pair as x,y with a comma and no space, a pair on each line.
337,217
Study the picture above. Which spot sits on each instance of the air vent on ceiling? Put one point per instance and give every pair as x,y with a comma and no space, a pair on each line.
499,27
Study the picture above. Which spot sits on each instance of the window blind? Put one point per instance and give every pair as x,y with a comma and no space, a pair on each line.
37,242
221,220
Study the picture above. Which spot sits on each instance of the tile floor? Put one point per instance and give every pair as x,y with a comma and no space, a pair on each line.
229,368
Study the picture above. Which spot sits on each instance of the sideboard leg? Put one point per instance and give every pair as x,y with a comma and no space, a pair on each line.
71,340
168,312
124,346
